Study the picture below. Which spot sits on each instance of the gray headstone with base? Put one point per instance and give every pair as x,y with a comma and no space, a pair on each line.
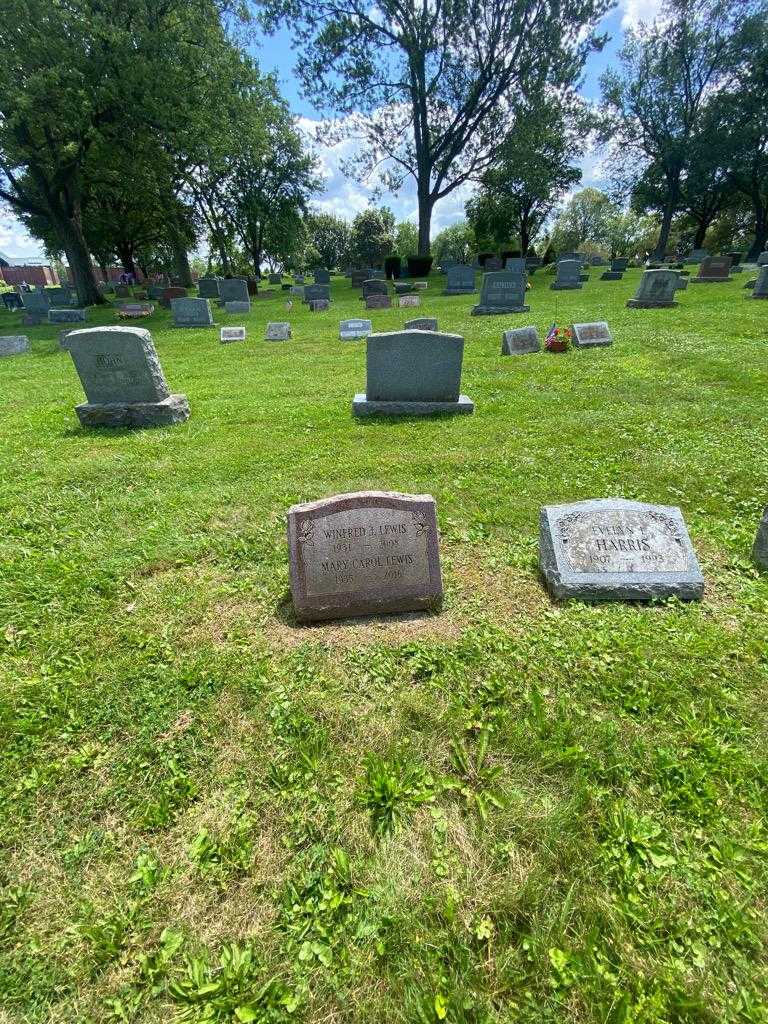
36,302
207,288
713,269
413,373
520,341
67,316
191,313
610,549
322,276
461,280
373,286
760,290
236,306
568,276
656,290
351,330
502,292
278,331
122,378
366,553
233,289
760,547
229,334
592,335
317,291
275,278
424,323
13,344
378,302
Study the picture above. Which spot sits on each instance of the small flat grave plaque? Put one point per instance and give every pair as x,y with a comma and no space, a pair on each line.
236,306
67,316
424,323
409,300
278,331
351,330
13,344
520,341
592,335
610,549
319,305
367,553
230,334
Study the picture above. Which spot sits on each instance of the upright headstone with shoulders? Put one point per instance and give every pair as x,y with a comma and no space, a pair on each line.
461,280
36,302
122,378
568,276
171,293
610,549
616,270
502,292
413,373
366,553
656,290
275,278
697,255
191,312
762,259
492,264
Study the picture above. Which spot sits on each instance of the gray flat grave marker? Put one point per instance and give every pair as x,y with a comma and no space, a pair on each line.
122,378
191,312
366,553
520,341
135,310
409,300
13,344
460,280
656,290
233,289
760,547
424,323
278,331
229,334
610,549
67,316
413,373
236,306
591,335
568,276
502,292
351,330
420,286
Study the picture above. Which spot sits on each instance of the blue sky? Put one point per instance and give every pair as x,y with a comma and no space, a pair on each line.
345,197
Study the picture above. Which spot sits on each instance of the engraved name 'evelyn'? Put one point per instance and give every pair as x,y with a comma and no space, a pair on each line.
622,541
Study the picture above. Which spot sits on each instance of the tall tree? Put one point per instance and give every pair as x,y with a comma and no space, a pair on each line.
80,73
373,236
430,86
655,103
330,238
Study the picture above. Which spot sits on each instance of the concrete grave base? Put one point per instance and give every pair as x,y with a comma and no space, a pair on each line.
708,280
642,304
174,409
555,287
459,291
362,407
498,310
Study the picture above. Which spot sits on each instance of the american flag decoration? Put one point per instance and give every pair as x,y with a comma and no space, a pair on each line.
558,338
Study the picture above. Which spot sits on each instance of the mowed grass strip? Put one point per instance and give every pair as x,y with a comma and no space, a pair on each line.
513,811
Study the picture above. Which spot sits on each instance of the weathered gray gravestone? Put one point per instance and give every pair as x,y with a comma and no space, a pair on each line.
760,290
762,259
237,306
409,300
616,271
67,316
461,280
492,264
373,286
319,305
366,553
520,341
424,323
697,255
233,289
568,276
656,290
275,278
36,302
502,292
279,331
610,549
207,288
413,373
13,344
403,287
713,269
317,291
122,378
351,330
230,334
592,335
191,312
378,302
359,277
61,296
322,276
760,547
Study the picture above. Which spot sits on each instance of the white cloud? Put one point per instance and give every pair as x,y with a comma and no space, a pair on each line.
14,240
637,11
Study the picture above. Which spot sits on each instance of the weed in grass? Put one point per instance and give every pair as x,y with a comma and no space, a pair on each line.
393,788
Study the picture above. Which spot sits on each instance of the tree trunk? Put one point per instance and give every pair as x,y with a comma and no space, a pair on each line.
761,232
701,233
126,258
79,259
181,259
426,202
666,226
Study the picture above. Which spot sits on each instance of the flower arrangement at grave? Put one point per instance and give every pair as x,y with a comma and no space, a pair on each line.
558,339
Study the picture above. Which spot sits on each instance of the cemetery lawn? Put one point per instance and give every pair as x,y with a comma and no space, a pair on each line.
514,811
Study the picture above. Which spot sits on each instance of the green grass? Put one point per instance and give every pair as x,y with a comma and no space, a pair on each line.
512,811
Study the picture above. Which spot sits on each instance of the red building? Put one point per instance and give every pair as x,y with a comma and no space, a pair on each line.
14,271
